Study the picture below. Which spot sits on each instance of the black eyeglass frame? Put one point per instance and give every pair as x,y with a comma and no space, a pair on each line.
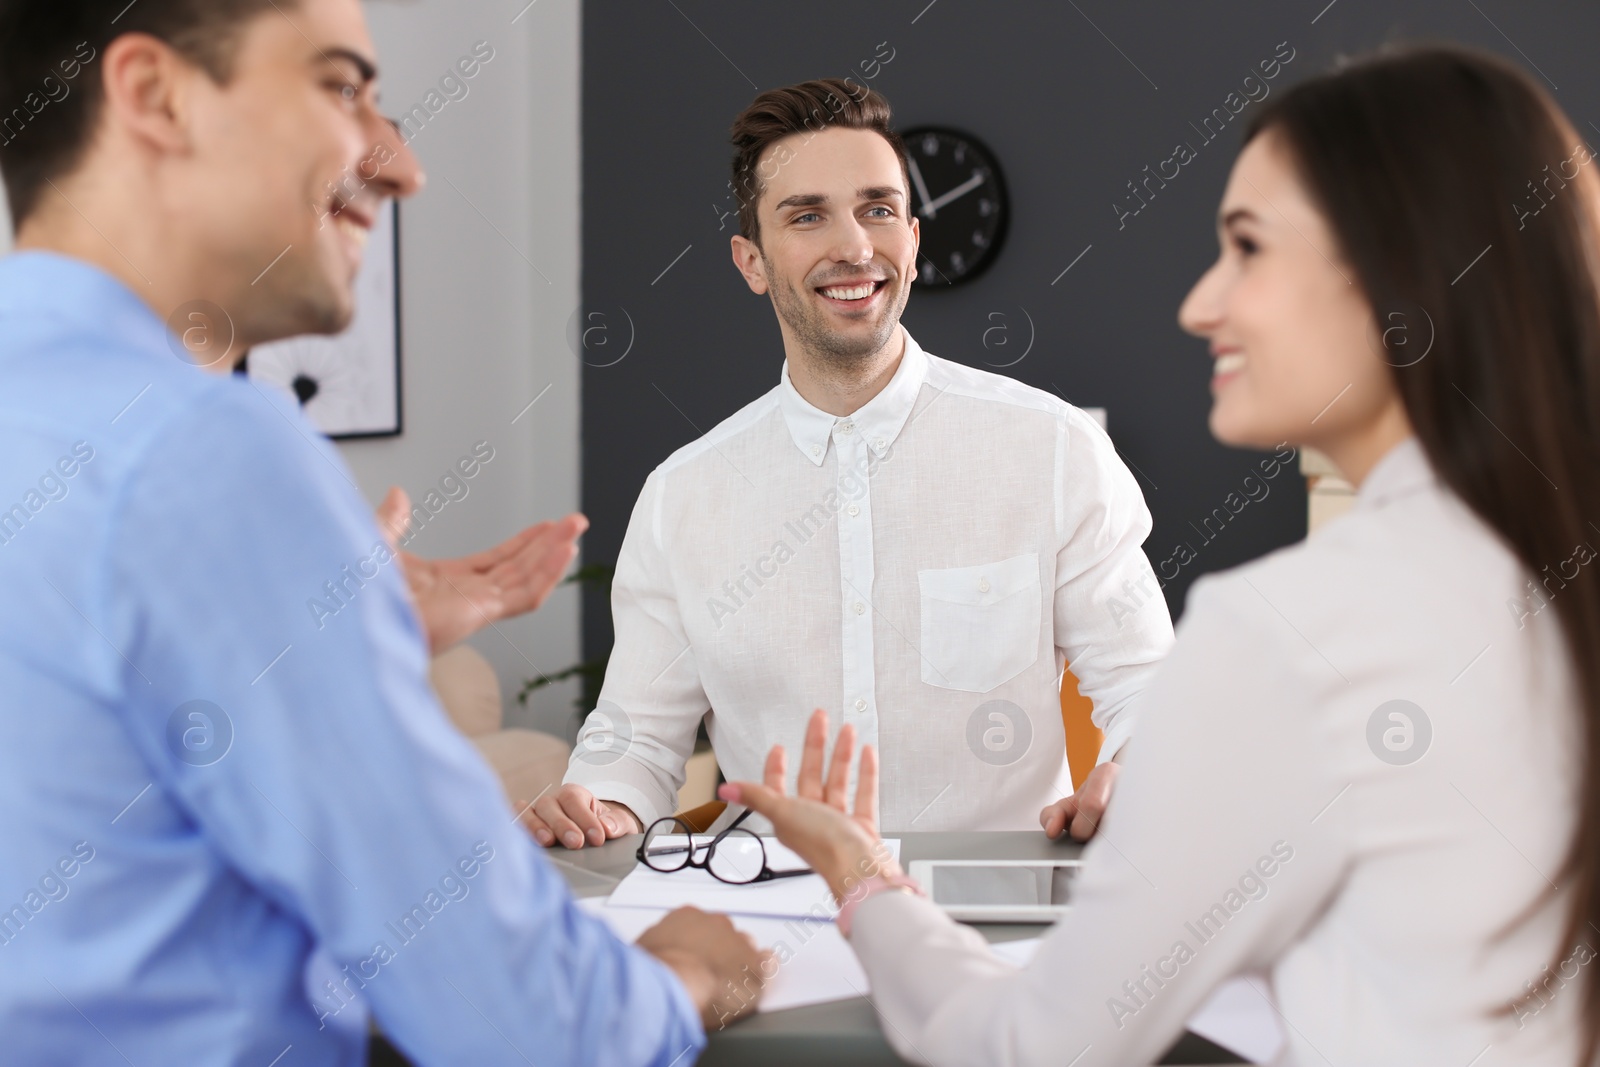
766,873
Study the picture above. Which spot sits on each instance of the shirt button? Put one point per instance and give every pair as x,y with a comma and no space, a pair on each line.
853,510
845,427
877,442
983,585
815,450
860,608
861,705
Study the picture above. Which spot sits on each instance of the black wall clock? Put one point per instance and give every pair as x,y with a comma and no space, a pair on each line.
959,197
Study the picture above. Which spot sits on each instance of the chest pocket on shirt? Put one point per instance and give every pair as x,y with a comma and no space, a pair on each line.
980,625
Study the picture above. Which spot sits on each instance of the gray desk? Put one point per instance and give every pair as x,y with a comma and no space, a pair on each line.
846,1033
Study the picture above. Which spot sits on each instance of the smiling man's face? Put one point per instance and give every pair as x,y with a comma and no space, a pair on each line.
838,245
290,166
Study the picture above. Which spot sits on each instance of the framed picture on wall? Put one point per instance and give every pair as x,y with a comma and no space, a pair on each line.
348,385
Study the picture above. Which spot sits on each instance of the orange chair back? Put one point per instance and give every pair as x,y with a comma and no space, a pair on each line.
1083,736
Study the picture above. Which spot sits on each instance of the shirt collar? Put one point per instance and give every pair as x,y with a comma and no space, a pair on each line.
35,284
878,421
1403,470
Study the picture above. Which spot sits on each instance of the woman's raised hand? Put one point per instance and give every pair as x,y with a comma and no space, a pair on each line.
838,843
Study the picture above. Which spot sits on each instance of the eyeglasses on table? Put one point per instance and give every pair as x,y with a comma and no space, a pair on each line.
736,856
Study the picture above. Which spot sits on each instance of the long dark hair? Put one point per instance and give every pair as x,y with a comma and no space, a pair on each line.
1426,160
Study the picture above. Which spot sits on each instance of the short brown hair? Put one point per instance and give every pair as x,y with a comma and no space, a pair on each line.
45,47
811,106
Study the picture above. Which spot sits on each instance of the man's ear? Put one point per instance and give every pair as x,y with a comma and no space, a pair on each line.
147,87
747,257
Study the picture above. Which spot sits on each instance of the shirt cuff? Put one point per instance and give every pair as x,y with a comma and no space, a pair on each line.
882,920
893,933
681,1005
631,778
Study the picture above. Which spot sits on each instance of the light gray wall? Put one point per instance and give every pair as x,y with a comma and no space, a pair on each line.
489,277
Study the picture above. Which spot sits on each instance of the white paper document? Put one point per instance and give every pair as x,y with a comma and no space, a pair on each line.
815,963
805,896
1239,1016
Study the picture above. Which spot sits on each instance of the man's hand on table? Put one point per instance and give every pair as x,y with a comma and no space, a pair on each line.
722,969
1084,809
572,816
458,597
840,845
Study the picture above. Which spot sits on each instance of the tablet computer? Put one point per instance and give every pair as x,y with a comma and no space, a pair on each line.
999,891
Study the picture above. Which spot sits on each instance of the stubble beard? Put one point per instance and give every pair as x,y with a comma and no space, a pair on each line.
835,354
303,301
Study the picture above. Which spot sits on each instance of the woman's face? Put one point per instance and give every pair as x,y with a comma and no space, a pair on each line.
1296,353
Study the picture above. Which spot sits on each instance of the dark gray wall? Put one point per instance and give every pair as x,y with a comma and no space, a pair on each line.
1074,109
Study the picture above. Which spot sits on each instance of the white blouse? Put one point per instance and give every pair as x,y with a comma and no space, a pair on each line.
1356,772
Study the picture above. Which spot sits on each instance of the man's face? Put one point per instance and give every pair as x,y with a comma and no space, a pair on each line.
290,163
838,244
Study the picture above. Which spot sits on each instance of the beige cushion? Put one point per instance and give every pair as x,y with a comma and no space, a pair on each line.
468,689
527,761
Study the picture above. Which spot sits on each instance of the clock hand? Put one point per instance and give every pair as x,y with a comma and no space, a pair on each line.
961,190
922,186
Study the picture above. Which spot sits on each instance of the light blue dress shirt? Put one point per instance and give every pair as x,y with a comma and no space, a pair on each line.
233,824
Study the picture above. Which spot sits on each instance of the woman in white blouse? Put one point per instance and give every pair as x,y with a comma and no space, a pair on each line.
1368,767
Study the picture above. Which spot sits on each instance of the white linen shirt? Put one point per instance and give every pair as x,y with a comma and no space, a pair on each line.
1392,867
922,569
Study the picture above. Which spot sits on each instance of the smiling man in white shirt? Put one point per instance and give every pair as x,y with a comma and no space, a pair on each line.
914,545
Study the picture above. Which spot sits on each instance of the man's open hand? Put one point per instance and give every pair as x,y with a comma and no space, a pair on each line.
1084,809
574,817
458,597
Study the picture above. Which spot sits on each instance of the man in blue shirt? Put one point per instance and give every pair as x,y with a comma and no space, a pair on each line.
210,802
